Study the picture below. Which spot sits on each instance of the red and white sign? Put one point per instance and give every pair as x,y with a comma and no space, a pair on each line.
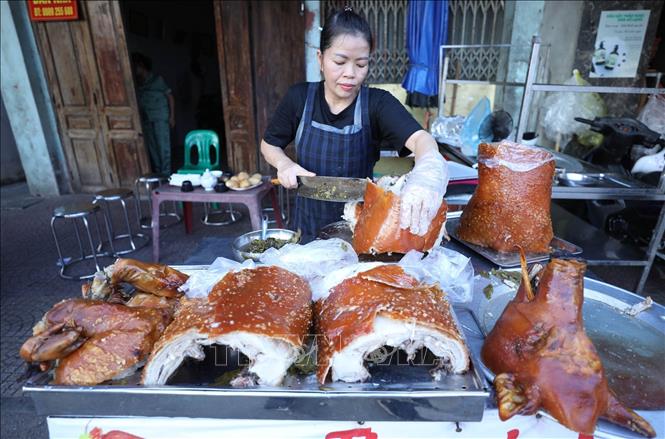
53,10
491,427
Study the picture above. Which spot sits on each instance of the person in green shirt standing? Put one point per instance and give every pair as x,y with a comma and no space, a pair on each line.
157,109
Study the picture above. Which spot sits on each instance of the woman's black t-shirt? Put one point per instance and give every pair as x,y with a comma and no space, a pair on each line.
391,124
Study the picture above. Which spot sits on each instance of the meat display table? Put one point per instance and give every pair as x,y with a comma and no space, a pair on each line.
251,198
210,412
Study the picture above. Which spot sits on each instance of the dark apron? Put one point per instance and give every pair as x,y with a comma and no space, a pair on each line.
336,152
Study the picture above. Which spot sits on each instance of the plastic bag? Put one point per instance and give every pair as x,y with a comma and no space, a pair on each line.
311,261
200,282
653,114
447,129
471,134
561,109
516,157
450,269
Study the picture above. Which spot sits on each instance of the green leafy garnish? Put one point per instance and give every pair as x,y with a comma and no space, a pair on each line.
488,290
513,277
225,379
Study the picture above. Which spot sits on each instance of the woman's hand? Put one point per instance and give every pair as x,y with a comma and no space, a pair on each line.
425,186
288,174
287,170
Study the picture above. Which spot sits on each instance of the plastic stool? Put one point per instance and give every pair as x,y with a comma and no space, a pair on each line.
227,216
73,212
148,183
104,198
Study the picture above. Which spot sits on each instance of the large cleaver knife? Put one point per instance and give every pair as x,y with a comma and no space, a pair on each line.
338,189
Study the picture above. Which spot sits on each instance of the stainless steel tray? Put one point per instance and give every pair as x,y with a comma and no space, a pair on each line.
559,247
397,391
631,348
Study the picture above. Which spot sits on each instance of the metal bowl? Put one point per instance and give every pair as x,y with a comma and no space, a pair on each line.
577,179
241,243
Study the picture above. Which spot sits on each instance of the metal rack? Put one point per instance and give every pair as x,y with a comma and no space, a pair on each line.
656,194
444,63
531,86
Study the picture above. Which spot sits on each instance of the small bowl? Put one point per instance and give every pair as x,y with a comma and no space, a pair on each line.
243,241
187,186
217,174
220,187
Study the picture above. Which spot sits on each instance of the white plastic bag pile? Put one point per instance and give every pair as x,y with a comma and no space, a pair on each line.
325,263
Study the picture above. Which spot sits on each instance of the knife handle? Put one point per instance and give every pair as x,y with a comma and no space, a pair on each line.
275,181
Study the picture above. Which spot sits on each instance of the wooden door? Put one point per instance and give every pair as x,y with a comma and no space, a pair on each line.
278,43
87,68
261,47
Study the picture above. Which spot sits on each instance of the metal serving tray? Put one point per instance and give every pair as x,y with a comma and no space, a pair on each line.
631,348
397,391
559,248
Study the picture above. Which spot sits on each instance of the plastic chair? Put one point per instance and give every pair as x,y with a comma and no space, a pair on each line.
203,141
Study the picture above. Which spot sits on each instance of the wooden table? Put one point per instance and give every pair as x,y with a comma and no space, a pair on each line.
250,198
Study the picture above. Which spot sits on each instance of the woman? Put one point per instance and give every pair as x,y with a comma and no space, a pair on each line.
339,125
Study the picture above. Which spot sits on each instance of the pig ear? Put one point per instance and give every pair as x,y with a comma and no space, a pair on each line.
512,399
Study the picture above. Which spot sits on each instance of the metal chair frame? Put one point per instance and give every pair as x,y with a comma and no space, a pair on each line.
83,216
148,181
104,200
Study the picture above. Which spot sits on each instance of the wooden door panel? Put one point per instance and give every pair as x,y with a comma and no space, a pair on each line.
118,116
279,61
125,152
66,65
261,54
88,71
85,153
79,122
107,53
71,85
233,46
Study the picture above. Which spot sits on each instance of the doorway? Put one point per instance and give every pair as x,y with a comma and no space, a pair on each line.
179,38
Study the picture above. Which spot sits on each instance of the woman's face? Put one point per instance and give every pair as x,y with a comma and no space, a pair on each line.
344,66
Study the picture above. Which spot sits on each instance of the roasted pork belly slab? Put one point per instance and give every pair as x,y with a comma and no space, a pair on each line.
94,341
375,225
264,312
511,205
379,307
544,359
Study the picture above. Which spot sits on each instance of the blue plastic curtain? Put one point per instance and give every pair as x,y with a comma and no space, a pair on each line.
427,29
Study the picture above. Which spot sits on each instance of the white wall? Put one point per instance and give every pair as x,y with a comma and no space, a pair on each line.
312,39
23,102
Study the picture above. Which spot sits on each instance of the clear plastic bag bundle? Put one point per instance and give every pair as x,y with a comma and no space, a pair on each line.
561,109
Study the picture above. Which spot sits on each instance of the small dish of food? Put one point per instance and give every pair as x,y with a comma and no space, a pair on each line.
243,181
251,245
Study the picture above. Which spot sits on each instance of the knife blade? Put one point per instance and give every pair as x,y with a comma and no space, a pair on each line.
338,189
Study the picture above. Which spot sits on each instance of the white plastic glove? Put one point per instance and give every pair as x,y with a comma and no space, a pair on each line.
289,172
423,192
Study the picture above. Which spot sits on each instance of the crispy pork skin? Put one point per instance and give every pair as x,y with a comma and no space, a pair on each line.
263,312
379,307
511,205
376,229
544,359
157,279
94,341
